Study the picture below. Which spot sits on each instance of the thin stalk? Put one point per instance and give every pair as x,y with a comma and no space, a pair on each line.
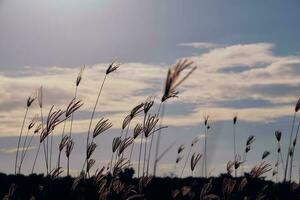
281,156
19,140
277,167
116,156
149,153
92,117
234,149
290,142
68,166
125,138
132,146
174,169
158,138
23,149
205,151
187,158
145,156
46,159
36,155
242,165
50,158
111,161
87,160
47,153
44,144
292,157
26,150
72,116
141,146
70,133
58,159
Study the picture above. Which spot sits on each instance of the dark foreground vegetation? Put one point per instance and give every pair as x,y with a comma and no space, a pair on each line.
126,187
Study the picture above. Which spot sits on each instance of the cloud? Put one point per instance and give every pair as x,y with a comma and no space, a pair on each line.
198,45
14,150
225,76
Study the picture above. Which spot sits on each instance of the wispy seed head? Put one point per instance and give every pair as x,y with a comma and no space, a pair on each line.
116,143
101,127
72,107
148,104
250,140
91,148
69,148
40,96
30,100
234,119
265,154
297,107
63,143
173,81
278,135
180,149
137,130
113,66
32,122
79,76
194,160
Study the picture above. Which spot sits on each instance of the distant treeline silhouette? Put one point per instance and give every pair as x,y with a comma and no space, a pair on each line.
34,186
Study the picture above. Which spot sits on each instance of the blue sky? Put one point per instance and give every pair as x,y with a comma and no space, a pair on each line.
247,53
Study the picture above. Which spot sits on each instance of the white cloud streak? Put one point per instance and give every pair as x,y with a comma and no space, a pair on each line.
232,73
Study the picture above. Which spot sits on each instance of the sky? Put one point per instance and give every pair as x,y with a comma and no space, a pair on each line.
246,52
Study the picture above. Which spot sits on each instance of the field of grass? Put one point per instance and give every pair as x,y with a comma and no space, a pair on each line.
115,180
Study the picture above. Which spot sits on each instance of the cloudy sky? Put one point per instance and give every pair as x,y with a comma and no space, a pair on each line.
247,54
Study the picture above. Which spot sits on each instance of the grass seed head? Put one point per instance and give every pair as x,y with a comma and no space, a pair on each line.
148,104
278,135
113,67
116,143
178,159
265,154
102,126
63,143
30,100
297,107
194,160
136,110
32,122
40,96
250,140
90,164
72,107
69,147
79,76
180,149
91,148
234,119
124,144
150,124
137,130
173,81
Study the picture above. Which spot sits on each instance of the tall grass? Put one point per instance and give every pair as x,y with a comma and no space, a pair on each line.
173,80
234,141
148,128
194,141
111,68
297,107
293,152
30,100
